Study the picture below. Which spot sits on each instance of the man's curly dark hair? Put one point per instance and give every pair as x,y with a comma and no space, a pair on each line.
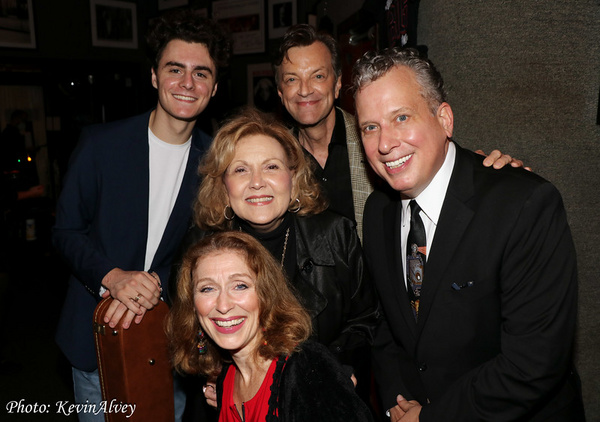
187,25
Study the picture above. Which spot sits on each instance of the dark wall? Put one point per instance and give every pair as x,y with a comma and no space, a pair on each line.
524,77
86,84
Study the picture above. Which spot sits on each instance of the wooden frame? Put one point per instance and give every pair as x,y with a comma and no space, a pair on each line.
262,91
282,15
16,27
114,24
245,20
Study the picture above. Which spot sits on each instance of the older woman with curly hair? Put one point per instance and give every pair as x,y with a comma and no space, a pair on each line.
235,317
257,180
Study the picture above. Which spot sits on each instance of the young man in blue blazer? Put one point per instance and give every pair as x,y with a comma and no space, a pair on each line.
127,197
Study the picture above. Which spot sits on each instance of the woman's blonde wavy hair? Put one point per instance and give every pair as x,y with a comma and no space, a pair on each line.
209,208
285,323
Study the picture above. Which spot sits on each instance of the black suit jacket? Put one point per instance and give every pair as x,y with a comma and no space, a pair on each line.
498,304
102,221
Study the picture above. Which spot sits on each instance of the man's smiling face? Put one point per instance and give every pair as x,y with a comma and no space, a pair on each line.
308,85
405,142
185,79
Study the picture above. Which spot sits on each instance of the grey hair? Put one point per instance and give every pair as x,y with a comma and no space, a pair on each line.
375,64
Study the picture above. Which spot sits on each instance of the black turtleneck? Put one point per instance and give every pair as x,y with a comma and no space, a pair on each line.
274,240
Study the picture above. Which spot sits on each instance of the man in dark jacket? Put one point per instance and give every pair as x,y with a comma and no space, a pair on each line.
127,196
482,325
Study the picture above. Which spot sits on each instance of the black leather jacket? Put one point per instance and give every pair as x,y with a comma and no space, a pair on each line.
331,281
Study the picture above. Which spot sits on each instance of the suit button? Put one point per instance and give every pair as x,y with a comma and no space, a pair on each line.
422,367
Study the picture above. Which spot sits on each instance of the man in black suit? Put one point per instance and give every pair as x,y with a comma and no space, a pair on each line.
486,332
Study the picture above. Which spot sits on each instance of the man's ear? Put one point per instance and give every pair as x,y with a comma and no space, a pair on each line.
154,79
446,118
338,86
214,91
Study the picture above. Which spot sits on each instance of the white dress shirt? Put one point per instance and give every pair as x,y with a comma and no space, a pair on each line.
430,201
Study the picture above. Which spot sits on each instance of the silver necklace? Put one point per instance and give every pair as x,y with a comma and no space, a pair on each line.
287,234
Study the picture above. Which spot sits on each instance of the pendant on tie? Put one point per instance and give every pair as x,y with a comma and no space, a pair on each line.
415,266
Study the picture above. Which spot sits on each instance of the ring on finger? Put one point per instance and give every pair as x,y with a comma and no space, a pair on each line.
137,298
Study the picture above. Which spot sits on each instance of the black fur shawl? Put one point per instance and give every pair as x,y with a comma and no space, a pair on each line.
310,385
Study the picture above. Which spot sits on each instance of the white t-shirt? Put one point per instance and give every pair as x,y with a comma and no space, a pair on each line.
167,167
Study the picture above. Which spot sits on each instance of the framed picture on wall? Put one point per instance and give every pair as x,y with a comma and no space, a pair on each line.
114,24
262,91
168,4
245,20
16,24
282,15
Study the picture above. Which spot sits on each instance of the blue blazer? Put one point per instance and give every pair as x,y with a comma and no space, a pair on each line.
102,221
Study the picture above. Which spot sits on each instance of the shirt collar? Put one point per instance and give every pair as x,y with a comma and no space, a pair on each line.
338,137
432,198
339,130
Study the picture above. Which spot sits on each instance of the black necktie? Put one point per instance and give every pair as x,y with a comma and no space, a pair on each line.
416,251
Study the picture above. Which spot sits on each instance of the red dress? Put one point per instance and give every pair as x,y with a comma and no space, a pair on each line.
254,409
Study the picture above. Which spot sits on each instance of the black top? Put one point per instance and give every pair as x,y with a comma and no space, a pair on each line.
334,179
275,241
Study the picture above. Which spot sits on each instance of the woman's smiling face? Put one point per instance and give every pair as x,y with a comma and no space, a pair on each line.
226,301
259,182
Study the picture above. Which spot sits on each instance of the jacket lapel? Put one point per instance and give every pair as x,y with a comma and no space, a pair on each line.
454,220
393,212
179,220
136,188
359,178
